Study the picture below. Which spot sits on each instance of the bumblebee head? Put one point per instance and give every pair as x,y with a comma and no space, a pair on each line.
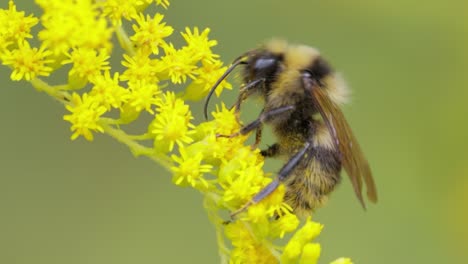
261,66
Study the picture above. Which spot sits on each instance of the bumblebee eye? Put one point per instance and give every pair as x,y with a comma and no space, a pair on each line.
265,66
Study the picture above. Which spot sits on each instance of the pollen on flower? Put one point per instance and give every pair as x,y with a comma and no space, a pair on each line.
226,120
27,63
14,25
243,183
85,115
141,67
69,24
246,248
150,32
107,91
190,170
171,124
180,64
142,96
87,63
275,203
238,159
199,45
58,32
118,9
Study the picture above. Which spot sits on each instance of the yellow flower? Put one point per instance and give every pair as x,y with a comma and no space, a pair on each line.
180,64
107,91
118,9
293,249
141,68
242,181
257,214
287,223
142,96
189,170
87,63
85,116
310,253
171,124
71,24
226,120
199,45
246,248
150,32
14,25
27,63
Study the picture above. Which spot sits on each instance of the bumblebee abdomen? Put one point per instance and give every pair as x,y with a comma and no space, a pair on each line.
309,185
307,188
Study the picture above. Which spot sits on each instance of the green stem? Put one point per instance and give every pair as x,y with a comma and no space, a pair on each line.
124,41
145,136
136,148
55,92
210,207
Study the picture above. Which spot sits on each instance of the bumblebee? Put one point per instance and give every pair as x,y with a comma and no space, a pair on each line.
302,96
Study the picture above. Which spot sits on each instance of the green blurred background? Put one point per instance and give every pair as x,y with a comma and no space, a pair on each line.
80,202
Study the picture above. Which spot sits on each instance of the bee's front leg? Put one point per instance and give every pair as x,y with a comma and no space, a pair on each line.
258,136
244,93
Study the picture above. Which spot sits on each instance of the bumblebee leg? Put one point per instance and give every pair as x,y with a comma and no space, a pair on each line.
237,105
293,162
271,151
245,92
258,133
264,116
258,136
282,174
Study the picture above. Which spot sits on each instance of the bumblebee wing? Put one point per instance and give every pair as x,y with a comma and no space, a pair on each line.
352,157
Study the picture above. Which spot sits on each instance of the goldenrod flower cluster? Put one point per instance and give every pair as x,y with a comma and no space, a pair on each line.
76,35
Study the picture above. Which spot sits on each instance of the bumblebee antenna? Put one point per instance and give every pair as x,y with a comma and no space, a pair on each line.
235,63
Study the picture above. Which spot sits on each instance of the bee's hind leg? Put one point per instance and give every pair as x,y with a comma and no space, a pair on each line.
282,175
